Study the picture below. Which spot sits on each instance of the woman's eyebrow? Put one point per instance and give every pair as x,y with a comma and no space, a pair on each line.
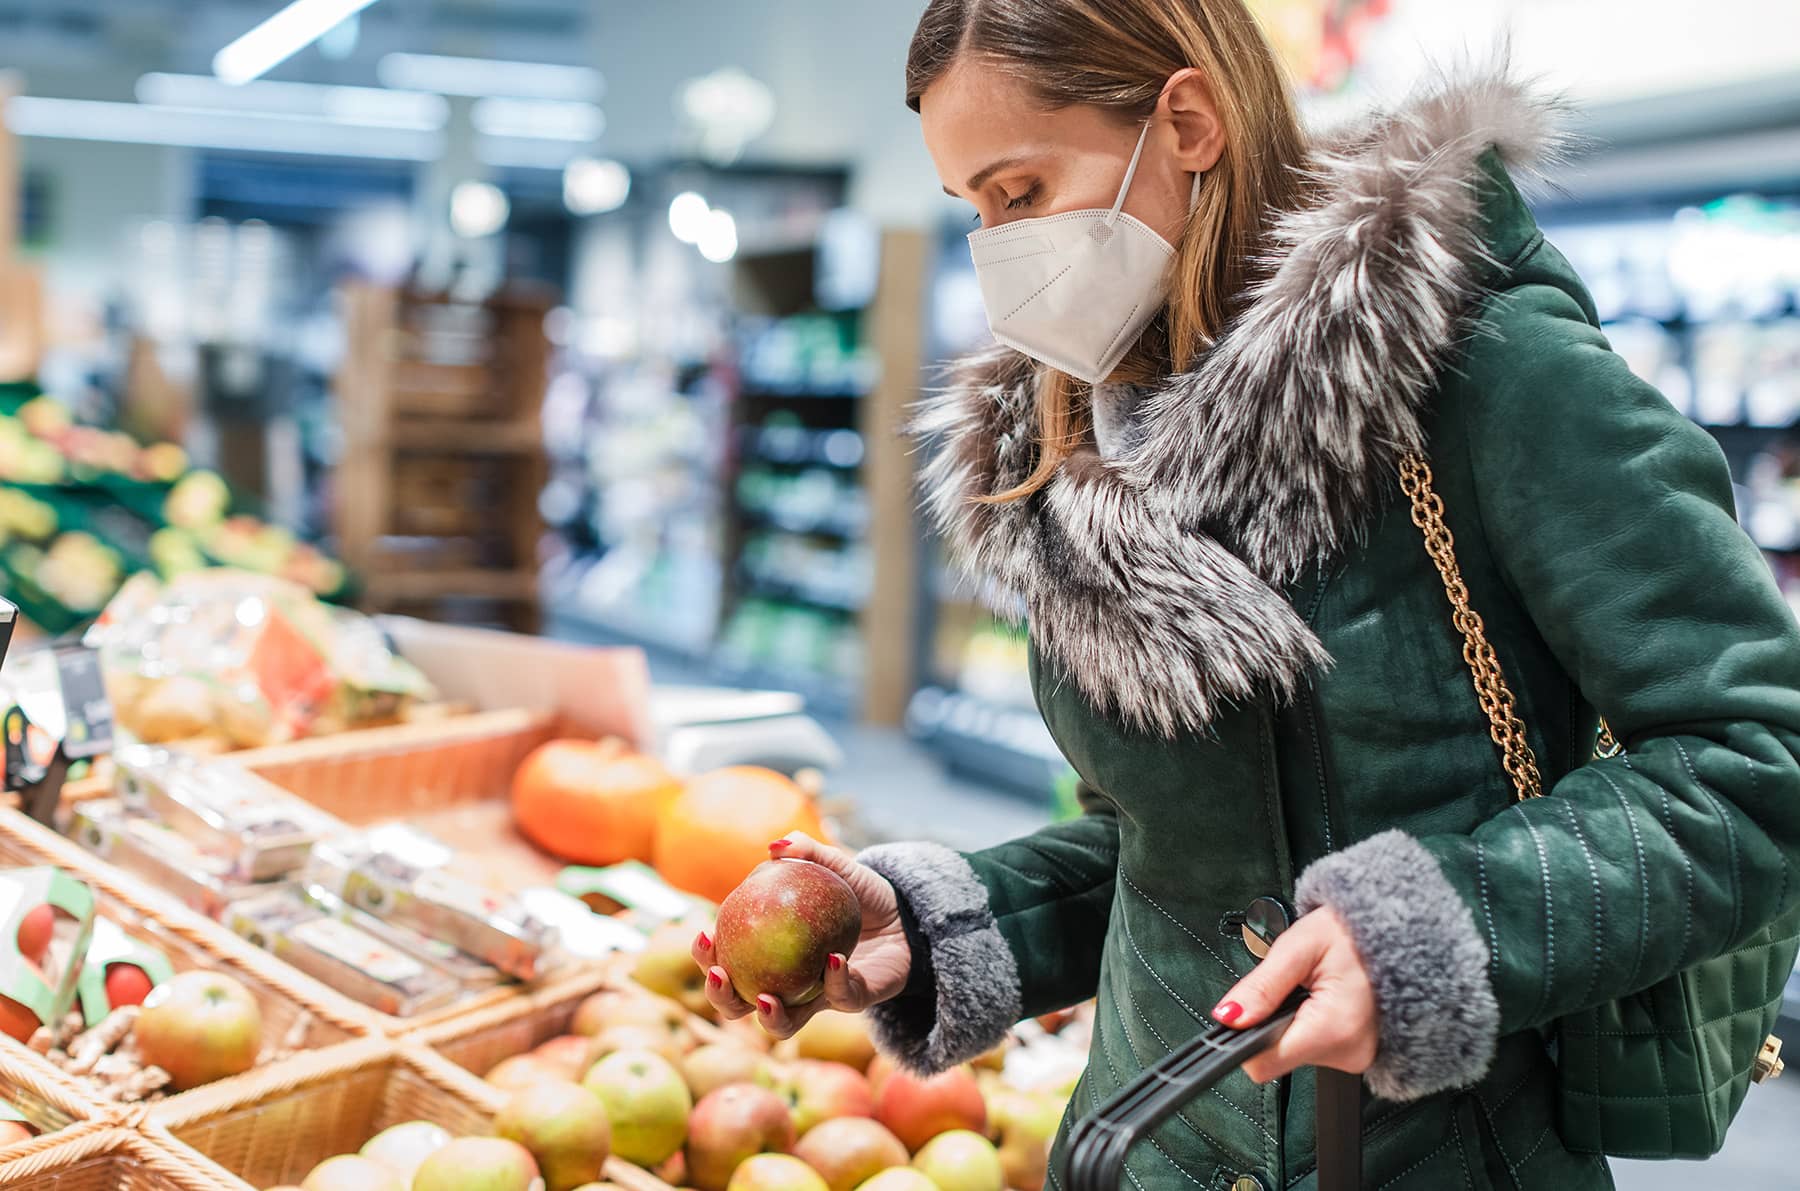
980,179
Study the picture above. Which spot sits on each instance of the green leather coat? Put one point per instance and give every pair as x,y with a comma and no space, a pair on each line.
1595,529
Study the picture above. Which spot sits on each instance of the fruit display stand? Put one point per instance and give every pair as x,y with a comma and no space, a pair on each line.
48,1100
277,1128
113,1159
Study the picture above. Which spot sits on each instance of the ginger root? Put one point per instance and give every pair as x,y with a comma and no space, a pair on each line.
86,1051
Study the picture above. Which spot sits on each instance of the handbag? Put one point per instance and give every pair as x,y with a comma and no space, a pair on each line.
1659,1073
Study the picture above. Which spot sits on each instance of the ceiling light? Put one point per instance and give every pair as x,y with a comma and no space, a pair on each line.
197,128
487,76
726,110
281,37
360,105
540,119
688,217
593,187
524,153
478,209
719,239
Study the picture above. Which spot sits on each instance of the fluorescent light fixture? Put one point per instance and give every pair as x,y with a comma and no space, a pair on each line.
592,186
282,36
196,128
719,238
478,209
370,106
524,153
488,76
538,119
687,217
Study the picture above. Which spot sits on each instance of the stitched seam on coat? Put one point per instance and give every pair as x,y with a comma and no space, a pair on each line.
1495,1130
1163,1042
1787,872
1179,925
1514,1091
1318,752
1549,978
1438,1149
1637,844
1106,1053
1125,924
1599,915
1737,876
1462,1159
1687,870
1487,910
1535,1147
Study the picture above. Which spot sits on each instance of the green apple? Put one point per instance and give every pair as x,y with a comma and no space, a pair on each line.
647,1101
404,1148
719,1063
564,1125
479,1164
961,1160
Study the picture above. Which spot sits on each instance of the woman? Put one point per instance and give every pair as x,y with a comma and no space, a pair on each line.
1243,646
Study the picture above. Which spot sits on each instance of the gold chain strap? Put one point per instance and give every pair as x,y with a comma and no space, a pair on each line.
1496,697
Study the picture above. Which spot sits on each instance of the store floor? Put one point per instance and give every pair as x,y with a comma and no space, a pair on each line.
901,791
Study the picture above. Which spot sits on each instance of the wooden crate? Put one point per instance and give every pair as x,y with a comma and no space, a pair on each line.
99,1158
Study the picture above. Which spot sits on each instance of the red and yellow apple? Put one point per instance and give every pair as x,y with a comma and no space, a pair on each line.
348,1172
521,1071
776,930
564,1125
728,1126
901,1178
404,1148
818,1091
1026,1123
200,1026
666,967
961,1161
570,1053
835,1037
848,1151
719,1063
775,1172
478,1164
917,1110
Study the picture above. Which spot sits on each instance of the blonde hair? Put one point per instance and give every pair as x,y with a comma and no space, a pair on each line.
1118,55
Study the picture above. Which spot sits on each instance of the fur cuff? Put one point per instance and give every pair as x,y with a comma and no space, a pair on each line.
1425,957
976,998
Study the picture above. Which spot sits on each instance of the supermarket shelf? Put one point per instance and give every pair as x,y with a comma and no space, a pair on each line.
519,585
817,527
824,693
1007,746
612,628
785,592
477,438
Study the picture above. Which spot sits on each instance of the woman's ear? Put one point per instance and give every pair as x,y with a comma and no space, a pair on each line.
1187,103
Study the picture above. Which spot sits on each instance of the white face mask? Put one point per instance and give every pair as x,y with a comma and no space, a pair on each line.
1075,290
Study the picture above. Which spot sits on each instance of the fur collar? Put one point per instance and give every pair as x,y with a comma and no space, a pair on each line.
1153,581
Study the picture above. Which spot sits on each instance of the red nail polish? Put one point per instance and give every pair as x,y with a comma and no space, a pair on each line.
765,1005
834,962
706,940
1228,1011
712,978
779,844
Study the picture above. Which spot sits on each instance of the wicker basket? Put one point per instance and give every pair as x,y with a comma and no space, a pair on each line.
332,1103
50,1101
98,1158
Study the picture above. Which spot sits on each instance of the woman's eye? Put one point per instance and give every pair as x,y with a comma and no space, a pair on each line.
1024,200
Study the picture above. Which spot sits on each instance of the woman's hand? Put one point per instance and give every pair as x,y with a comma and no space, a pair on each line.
876,972
1337,1025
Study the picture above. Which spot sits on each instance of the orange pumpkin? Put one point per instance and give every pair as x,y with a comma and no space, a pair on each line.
591,803
710,837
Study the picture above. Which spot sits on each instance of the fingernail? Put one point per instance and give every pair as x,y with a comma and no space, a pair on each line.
779,844
706,940
765,1005
713,979
834,962
1228,1011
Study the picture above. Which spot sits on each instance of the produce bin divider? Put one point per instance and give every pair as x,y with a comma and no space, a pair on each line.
101,1158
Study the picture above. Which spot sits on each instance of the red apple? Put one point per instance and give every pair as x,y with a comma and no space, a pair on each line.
348,1172
776,930
647,1102
818,1092
200,1027
521,1071
126,984
917,1110
564,1126
775,1172
961,1161
849,1151
14,1132
35,932
611,1007
836,1038
570,1053
478,1164
730,1125
880,1067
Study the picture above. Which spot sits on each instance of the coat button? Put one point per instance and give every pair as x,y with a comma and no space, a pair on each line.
1248,1182
1264,920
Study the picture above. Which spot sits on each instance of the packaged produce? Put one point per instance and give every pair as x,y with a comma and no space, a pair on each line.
105,984
404,876
46,922
161,855
469,972
359,965
260,830
245,660
630,888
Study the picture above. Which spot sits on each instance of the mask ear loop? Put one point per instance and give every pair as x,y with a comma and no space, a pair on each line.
1112,216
